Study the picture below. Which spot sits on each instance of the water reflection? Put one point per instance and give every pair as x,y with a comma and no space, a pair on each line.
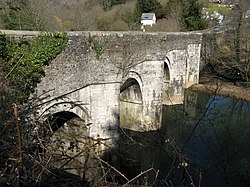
219,141
204,142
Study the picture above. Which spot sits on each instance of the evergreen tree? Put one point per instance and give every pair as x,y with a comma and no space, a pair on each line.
192,16
146,6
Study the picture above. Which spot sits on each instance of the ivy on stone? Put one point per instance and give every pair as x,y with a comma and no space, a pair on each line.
98,46
24,60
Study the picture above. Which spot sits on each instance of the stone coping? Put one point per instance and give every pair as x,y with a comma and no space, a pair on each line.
101,33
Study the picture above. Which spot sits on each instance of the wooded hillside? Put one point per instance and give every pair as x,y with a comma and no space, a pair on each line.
117,15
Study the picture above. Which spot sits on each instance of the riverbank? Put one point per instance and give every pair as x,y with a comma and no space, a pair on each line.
217,86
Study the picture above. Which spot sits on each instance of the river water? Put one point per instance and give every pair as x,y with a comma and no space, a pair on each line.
204,142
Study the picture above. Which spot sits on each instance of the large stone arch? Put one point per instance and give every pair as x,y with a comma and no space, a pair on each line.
67,141
131,103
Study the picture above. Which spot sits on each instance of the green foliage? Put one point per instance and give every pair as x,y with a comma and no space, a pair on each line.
246,84
117,2
192,16
25,60
98,46
146,6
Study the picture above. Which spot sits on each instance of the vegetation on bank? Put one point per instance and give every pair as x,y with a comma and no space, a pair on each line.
23,60
228,56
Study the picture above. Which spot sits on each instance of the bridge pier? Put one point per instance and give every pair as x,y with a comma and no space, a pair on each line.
147,112
104,99
181,70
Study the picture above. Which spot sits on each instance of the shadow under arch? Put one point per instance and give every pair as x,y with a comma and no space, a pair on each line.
166,71
68,141
58,119
130,91
132,75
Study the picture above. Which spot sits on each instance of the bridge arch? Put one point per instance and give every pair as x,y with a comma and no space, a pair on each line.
65,107
67,141
133,75
131,91
59,119
167,70
131,101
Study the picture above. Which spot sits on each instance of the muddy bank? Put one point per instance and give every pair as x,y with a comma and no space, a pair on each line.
217,86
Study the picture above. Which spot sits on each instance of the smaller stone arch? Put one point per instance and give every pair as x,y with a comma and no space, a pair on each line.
68,139
166,79
65,105
176,61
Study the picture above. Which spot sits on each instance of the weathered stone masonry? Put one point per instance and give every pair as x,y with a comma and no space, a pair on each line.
87,76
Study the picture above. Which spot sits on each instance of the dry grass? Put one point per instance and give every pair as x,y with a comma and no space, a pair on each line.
89,15
167,25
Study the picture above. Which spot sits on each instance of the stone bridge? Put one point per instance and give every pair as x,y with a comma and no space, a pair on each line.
99,75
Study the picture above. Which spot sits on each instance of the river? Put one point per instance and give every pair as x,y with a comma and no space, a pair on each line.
204,142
